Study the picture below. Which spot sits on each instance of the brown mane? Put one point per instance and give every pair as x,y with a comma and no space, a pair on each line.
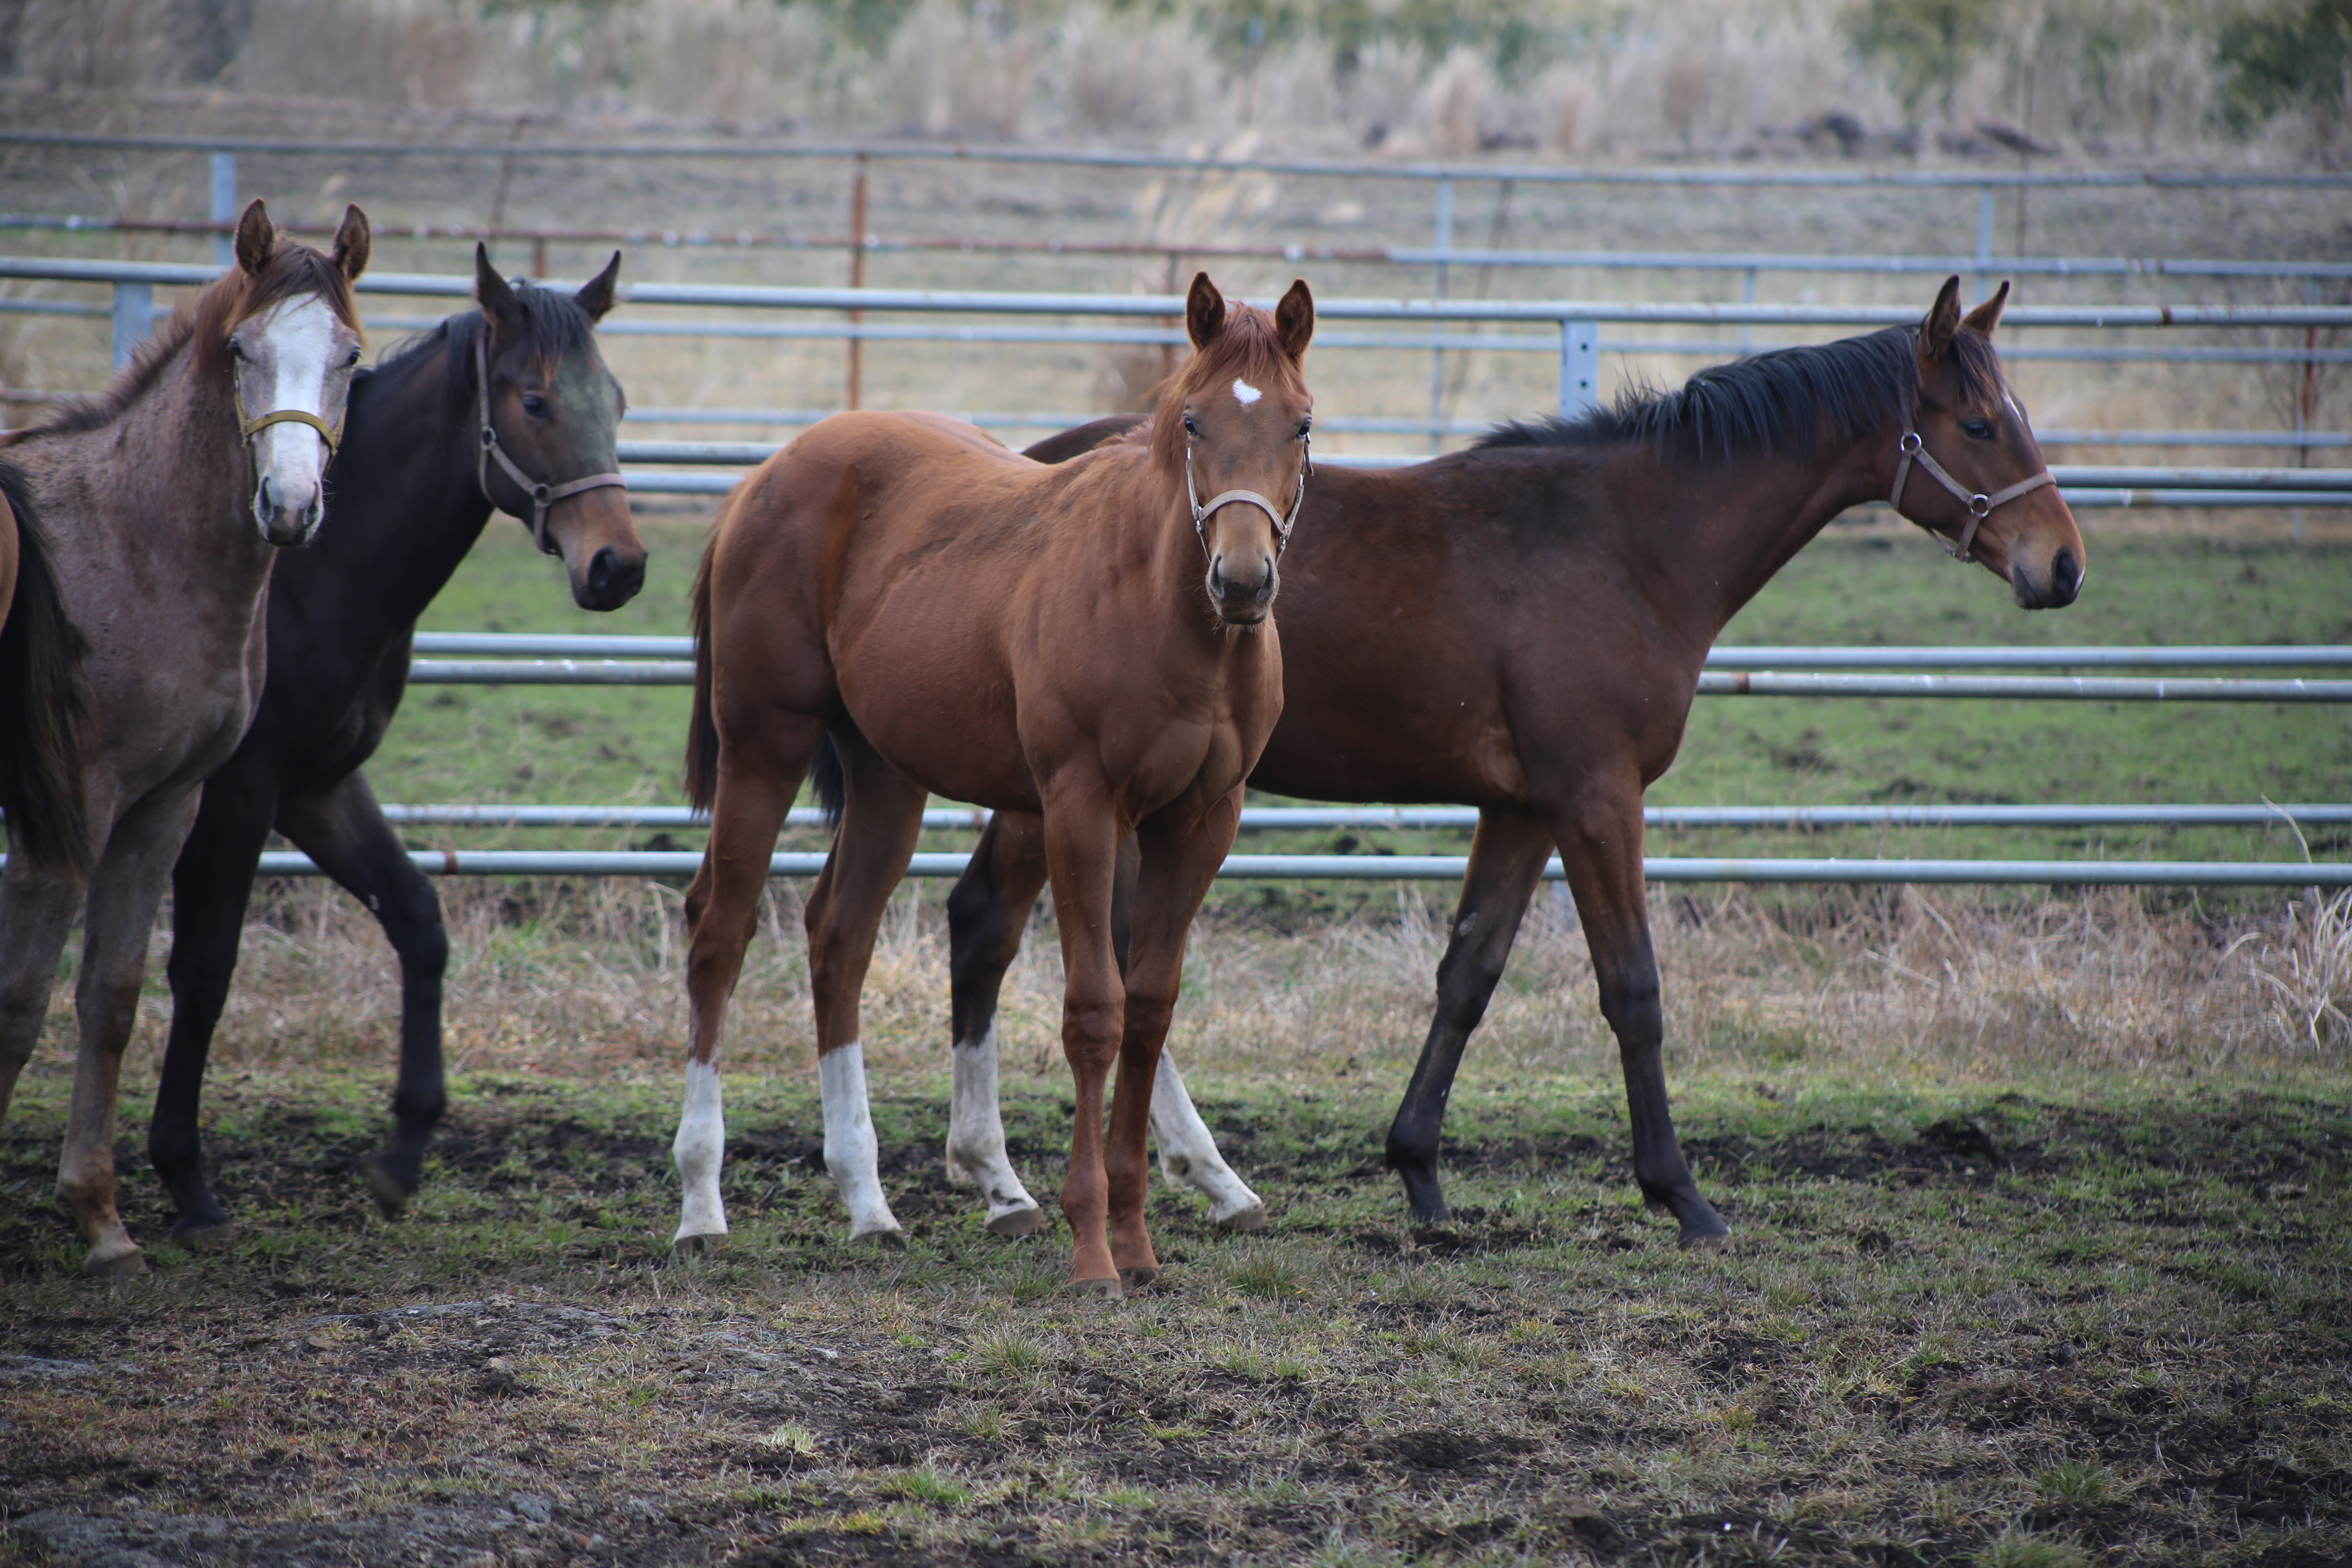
205,321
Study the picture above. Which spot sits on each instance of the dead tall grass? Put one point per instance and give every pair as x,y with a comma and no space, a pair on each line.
588,977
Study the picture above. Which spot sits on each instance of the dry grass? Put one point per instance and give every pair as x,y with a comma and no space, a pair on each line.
1584,78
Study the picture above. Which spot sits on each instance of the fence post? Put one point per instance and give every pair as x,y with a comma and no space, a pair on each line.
856,391
1747,297
134,318
223,208
1437,356
1579,367
1984,247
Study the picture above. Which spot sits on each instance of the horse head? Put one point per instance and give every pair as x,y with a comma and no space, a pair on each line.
287,324
551,412
1235,416
1987,491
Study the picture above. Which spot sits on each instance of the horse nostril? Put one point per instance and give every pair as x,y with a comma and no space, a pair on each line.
2067,573
600,570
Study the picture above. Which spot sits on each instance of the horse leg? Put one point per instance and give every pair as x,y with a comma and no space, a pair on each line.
1082,855
211,884
342,828
987,912
1188,1154
37,905
1174,876
1507,860
124,894
757,782
1601,848
881,818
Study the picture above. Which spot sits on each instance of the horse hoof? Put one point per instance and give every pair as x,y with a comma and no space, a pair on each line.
1706,1241
207,1236
1250,1221
892,1240
1097,1290
1133,1280
125,1263
688,1248
390,1195
1017,1223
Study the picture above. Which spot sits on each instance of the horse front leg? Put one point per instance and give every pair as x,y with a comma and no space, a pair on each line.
1176,869
1082,837
987,912
1507,861
344,829
1601,848
881,820
124,894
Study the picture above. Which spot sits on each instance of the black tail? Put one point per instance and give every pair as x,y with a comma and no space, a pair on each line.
42,701
702,730
825,778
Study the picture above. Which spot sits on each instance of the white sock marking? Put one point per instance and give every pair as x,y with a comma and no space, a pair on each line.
1188,1153
976,1131
850,1152
700,1145
1244,393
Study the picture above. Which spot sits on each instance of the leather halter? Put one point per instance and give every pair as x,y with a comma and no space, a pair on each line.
1282,523
248,429
1980,505
542,496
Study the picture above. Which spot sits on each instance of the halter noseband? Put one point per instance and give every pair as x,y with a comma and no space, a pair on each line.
1282,524
542,496
248,429
1980,505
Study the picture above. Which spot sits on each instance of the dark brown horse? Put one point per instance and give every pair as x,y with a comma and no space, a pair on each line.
414,485
167,499
1077,642
1605,553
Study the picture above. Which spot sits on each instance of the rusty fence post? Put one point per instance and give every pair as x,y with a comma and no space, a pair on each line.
856,391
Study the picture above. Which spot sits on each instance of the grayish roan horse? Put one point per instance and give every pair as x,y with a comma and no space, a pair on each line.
166,499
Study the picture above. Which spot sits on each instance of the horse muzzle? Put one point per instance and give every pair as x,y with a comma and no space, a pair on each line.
1244,599
2053,589
288,521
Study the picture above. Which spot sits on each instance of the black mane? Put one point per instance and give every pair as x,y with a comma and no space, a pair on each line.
554,326
1795,396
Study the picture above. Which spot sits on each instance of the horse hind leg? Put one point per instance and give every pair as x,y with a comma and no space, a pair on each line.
1188,1156
987,911
882,816
755,789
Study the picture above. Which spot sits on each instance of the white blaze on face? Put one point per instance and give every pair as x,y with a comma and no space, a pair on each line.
701,1143
296,354
1244,393
850,1152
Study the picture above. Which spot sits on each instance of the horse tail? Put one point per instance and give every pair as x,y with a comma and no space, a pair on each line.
702,730
827,779
43,704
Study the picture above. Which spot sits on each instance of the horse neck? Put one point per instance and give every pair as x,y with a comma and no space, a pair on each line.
1745,517
407,505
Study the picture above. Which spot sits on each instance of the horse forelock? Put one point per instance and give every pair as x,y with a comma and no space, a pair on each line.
202,324
554,327
1796,397
1248,348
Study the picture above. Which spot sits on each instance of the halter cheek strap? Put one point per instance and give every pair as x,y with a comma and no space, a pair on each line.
1980,505
542,496
1282,524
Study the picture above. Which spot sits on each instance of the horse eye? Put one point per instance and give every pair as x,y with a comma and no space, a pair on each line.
1978,430
1304,427
353,361
534,405
1190,428
236,349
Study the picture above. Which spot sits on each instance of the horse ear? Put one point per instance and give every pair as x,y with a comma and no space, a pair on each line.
1943,321
1205,312
1294,320
353,243
256,238
596,296
1987,316
498,300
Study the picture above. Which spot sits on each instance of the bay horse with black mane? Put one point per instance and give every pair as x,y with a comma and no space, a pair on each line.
1092,643
509,408
1604,553
166,499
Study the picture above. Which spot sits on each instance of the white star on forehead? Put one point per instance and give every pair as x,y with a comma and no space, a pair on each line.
1244,393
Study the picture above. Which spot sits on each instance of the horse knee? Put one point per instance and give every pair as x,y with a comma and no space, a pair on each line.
1633,1005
